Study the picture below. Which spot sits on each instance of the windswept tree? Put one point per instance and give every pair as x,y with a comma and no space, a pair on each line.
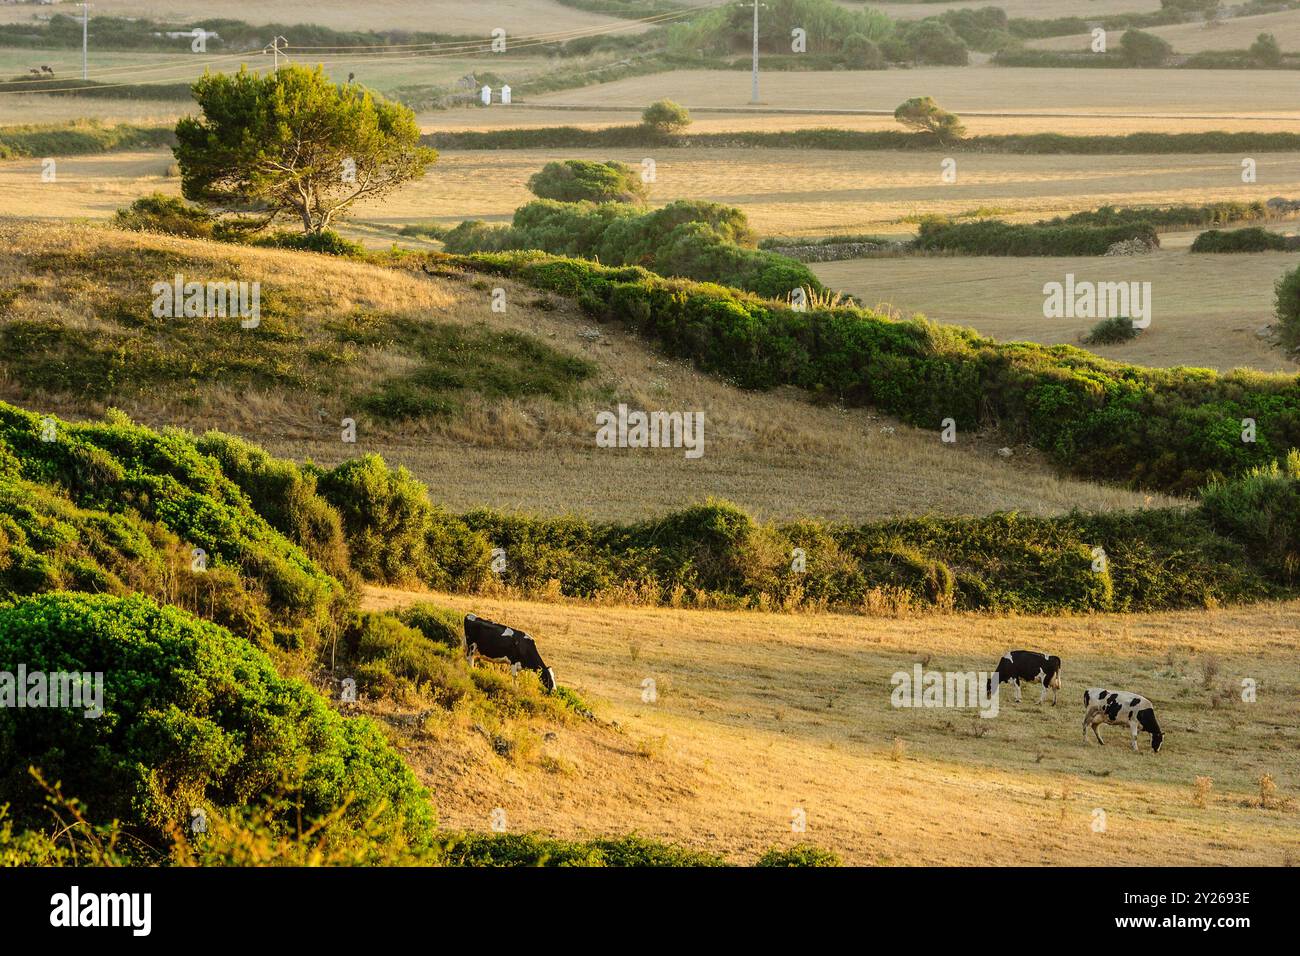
293,144
923,114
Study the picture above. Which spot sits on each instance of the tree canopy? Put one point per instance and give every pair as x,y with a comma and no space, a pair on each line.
293,144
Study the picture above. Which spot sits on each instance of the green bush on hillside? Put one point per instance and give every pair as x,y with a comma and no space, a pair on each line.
167,215
700,240
992,237
194,719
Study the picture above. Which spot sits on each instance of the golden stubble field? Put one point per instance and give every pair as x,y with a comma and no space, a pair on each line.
759,716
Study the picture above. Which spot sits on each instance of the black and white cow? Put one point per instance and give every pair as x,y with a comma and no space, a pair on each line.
1017,666
501,644
1120,707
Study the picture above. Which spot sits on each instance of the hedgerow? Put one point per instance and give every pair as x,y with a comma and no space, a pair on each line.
1252,239
1172,429
992,237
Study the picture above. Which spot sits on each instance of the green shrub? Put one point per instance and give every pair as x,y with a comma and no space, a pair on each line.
578,180
167,215
699,240
805,854
1287,307
1112,331
665,117
193,718
1252,239
529,849
1138,48
145,501
1265,51
1261,509
325,241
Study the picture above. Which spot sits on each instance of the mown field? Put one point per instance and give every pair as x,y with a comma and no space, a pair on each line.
758,715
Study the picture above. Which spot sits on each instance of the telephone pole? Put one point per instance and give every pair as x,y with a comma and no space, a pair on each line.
85,41
754,94
275,48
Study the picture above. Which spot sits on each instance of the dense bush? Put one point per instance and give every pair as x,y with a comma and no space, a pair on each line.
698,240
665,118
111,506
166,214
1252,239
193,719
1171,429
1287,307
992,237
805,854
78,138
326,241
1112,331
1261,509
576,180
395,535
1138,48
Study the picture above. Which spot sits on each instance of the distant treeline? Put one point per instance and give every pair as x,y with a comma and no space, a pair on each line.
572,137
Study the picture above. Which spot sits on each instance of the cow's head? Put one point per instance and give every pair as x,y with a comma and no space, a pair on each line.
532,659
1157,739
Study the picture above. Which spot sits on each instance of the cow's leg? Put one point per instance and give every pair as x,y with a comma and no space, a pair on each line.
1133,729
470,652
1056,689
1096,732
1043,696
1017,680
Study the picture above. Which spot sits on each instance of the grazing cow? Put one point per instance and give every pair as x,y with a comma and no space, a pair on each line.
1017,666
1120,707
501,644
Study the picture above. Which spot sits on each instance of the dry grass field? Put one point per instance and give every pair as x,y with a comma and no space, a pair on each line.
761,715
776,454
1136,93
783,191
1206,308
1237,33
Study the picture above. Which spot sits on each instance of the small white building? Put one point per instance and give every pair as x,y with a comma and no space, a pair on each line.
505,95
486,95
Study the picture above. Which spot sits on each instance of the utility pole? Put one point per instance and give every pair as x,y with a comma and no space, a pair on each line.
754,94
85,41
275,48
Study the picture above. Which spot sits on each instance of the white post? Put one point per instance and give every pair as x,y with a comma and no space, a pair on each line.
505,95
85,41
486,95
754,94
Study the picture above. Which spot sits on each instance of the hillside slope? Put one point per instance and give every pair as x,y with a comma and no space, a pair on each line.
503,404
